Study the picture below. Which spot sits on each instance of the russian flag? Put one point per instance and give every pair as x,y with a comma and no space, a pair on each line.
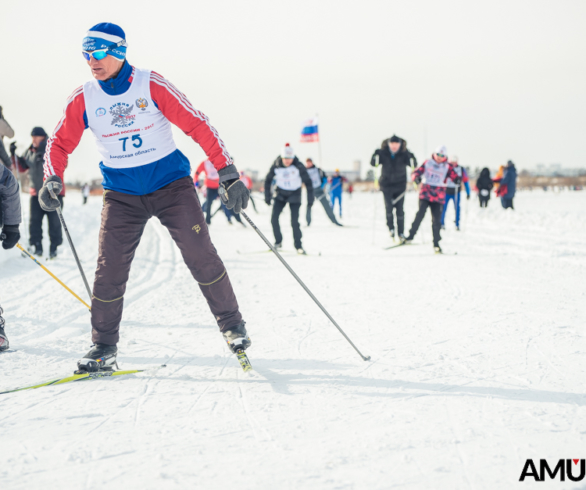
309,131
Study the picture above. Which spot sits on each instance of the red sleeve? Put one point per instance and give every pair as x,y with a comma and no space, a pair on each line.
418,172
178,110
200,169
66,135
464,175
453,176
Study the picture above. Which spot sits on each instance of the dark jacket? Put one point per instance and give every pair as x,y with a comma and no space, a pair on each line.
9,198
291,196
394,167
33,160
510,181
484,181
4,158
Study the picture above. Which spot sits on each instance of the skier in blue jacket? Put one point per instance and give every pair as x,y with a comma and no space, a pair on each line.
453,191
336,187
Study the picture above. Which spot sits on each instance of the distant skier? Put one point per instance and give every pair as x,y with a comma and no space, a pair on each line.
336,187
33,161
432,194
212,184
318,181
130,112
10,217
85,192
508,185
289,174
484,185
394,158
453,191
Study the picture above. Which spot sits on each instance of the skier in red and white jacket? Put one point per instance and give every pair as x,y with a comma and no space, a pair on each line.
130,112
436,171
212,184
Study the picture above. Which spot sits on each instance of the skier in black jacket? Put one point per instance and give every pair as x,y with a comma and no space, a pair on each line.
394,157
484,185
289,174
10,217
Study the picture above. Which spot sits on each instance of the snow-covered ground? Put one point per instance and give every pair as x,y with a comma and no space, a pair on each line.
478,359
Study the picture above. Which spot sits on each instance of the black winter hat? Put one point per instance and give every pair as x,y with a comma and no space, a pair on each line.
395,139
38,131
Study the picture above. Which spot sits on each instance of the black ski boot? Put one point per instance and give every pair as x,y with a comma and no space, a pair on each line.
36,249
101,357
237,338
4,344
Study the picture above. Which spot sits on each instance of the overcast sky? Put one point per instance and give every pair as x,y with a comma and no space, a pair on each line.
492,80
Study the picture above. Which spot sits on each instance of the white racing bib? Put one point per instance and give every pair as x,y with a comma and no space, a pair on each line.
435,173
129,129
315,177
288,178
484,192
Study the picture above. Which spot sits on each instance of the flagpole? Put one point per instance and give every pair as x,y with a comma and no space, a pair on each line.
318,141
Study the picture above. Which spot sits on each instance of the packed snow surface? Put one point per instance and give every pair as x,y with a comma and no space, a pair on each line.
478,359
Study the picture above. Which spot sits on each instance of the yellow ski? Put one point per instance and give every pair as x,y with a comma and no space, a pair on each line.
243,360
80,377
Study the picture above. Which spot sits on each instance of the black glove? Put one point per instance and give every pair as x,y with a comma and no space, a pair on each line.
13,148
418,180
10,236
458,181
45,199
233,192
268,201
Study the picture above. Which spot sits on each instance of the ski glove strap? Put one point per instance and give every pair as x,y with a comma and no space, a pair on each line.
233,192
9,236
47,202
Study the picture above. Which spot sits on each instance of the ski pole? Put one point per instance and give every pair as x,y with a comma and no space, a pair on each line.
52,275
59,212
302,284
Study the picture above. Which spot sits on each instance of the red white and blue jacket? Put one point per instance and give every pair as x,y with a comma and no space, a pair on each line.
147,178
430,192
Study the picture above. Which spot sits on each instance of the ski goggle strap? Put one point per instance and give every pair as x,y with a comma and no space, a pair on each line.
100,54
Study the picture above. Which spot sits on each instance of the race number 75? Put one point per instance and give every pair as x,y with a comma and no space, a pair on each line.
137,141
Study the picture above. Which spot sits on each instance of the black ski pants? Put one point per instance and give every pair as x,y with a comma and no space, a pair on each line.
436,219
278,207
124,218
322,197
483,201
391,193
36,224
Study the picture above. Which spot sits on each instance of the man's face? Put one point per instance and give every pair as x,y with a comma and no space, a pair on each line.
308,163
105,68
394,146
287,161
37,141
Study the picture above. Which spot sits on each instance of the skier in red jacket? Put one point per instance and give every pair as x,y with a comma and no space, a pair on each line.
436,171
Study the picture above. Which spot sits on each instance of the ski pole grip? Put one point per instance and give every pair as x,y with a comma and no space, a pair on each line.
50,187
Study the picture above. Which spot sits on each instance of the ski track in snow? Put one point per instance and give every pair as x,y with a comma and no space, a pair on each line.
477,359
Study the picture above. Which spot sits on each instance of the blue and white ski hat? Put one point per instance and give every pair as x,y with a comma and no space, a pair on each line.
104,35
